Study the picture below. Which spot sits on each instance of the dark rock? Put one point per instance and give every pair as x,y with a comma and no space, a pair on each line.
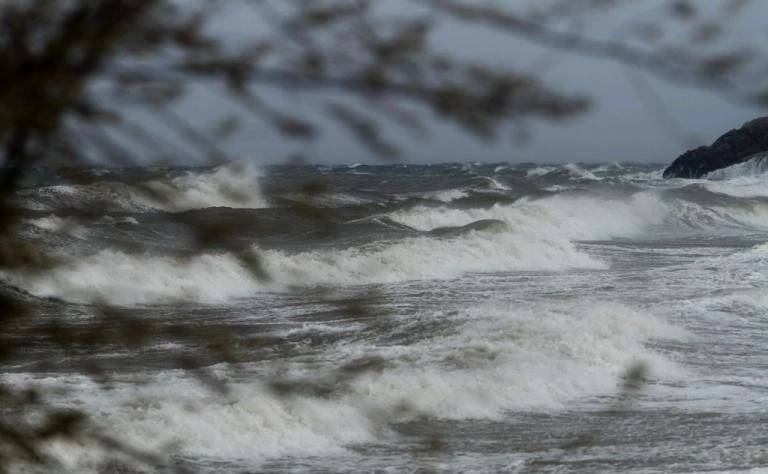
736,146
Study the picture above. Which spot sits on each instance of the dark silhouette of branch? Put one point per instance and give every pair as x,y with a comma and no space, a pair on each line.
706,74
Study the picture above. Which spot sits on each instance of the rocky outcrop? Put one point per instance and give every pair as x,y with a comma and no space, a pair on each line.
736,146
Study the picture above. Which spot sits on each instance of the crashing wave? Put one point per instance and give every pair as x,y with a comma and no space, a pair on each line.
747,179
559,216
447,195
578,173
234,185
540,171
573,171
120,278
58,225
755,167
501,357
587,218
483,225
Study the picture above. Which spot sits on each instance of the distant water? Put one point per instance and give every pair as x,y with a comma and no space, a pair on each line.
502,307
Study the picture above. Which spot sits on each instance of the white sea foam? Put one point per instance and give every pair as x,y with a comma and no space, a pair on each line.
575,171
494,184
558,188
124,220
501,357
566,217
612,166
754,167
58,225
427,258
539,239
120,278
540,171
109,194
176,416
446,195
748,179
655,177
234,185
579,173
741,187
744,186
516,357
693,215
128,220
582,217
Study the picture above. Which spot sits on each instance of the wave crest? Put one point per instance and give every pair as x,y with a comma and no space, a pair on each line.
501,357
561,216
119,278
235,185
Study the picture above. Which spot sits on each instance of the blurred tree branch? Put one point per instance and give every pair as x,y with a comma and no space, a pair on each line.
709,72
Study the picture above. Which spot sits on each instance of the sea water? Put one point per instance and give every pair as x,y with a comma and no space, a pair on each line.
501,311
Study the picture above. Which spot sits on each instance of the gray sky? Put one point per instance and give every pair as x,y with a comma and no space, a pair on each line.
620,126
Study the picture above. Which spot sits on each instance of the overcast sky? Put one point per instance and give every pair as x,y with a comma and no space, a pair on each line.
621,125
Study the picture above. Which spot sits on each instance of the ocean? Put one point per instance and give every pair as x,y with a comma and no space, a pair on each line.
408,318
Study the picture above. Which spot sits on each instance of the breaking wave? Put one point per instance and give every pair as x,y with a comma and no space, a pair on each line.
754,167
119,278
748,179
501,357
561,216
58,225
234,185
569,171
582,217
720,216
447,195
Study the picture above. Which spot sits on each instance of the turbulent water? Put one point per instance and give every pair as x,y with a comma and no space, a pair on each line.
457,317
